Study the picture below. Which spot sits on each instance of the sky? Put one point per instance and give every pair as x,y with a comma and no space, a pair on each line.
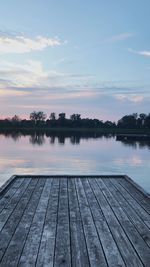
90,57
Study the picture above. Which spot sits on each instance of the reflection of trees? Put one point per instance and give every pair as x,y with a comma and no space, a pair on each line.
61,139
14,135
108,135
136,144
144,144
37,139
128,143
52,140
75,140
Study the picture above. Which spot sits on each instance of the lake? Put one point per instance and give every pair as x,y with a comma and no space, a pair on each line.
73,154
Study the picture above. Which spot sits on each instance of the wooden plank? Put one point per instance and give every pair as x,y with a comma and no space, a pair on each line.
6,185
62,249
78,245
139,196
110,248
11,224
74,210
95,251
47,245
7,195
132,214
31,248
52,211
14,250
135,205
129,255
12,203
135,238
63,209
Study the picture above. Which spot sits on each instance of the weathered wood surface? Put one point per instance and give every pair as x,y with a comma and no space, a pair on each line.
86,221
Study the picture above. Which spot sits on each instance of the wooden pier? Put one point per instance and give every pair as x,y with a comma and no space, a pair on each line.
74,221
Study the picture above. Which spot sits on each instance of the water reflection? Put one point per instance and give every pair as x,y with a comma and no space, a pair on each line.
14,135
136,144
73,153
38,137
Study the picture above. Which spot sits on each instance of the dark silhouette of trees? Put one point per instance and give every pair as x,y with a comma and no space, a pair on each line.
75,120
37,116
37,139
38,120
128,121
109,124
147,121
75,117
62,116
16,118
142,118
135,121
52,116
62,121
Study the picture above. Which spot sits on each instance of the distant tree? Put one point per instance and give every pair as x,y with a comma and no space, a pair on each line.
75,120
128,121
147,121
34,116
75,117
52,116
135,115
62,116
142,117
15,118
15,121
37,116
41,116
62,121
109,124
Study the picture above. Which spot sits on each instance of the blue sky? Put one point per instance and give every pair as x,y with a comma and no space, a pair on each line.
88,57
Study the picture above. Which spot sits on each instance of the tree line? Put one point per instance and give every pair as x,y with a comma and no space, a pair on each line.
38,119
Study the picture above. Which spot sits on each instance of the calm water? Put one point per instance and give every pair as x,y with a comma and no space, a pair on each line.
74,155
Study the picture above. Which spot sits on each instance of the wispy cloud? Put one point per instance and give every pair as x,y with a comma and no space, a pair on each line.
18,43
37,85
132,98
32,77
120,37
145,53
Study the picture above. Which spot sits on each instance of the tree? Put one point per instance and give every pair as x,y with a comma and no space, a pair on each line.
135,115
37,116
75,117
142,117
41,116
62,116
109,124
147,121
15,118
128,121
52,116
62,121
